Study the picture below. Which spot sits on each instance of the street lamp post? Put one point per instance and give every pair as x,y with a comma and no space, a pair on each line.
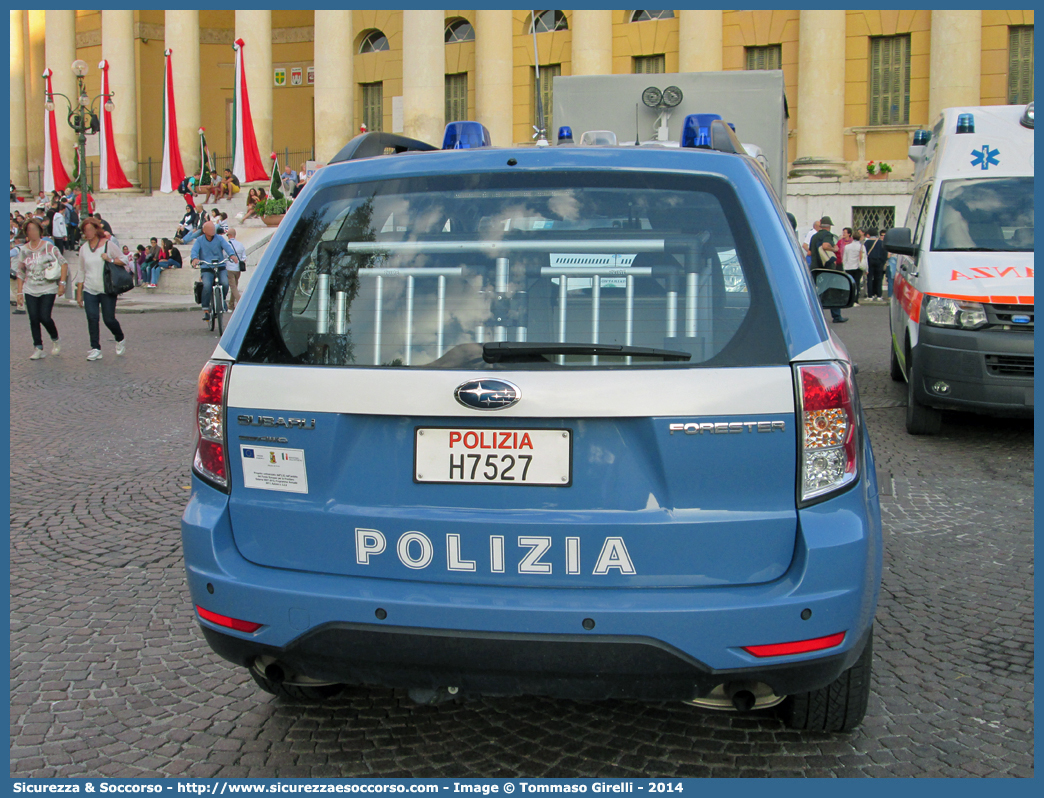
81,118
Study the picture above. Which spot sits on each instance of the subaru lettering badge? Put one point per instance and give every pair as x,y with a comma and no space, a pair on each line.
487,394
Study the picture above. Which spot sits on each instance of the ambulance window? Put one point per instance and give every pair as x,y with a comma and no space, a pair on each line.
984,214
922,219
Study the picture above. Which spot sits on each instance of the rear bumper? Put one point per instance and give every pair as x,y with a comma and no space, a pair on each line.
590,667
967,361
654,643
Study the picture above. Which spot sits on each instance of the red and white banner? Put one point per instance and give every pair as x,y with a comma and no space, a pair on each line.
246,159
111,176
54,174
173,170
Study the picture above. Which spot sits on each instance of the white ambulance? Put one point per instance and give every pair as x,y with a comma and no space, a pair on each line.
962,304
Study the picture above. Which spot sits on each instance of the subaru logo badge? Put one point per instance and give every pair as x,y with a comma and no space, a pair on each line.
487,394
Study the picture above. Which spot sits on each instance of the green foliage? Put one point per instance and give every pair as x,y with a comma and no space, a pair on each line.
273,206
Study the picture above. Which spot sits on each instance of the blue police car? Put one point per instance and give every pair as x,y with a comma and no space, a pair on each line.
558,421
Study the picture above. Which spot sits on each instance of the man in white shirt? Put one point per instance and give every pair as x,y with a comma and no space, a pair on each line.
808,240
233,276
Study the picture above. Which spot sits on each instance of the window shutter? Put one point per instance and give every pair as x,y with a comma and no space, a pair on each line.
770,57
889,80
1020,64
457,97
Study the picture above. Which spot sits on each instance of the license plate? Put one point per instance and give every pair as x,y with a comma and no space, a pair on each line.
500,456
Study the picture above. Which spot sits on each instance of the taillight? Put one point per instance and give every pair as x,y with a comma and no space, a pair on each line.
210,461
828,428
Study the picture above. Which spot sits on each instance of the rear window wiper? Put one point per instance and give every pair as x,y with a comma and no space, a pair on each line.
498,351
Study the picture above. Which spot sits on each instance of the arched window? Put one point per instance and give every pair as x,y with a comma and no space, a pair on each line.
641,16
547,21
459,30
374,42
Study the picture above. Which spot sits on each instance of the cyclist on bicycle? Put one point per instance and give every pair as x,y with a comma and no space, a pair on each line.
212,248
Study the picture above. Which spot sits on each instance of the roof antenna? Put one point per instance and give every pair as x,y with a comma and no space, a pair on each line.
637,140
541,129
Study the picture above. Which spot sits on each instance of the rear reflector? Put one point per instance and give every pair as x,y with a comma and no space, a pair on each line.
224,620
797,647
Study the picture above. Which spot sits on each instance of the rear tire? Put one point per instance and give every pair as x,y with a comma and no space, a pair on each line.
838,707
296,692
920,419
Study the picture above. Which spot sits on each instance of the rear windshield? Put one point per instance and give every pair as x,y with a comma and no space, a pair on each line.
977,215
562,270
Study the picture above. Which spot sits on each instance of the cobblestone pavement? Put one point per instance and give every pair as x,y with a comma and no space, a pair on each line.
110,675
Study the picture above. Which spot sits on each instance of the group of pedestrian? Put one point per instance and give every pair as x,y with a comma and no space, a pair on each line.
41,272
219,187
149,261
856,252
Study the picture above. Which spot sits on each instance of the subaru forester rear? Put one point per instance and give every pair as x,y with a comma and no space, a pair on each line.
561,422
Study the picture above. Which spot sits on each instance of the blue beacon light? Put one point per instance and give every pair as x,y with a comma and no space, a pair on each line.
565,135
965,123
465,136
696,130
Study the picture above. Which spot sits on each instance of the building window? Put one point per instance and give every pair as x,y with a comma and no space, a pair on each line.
373,106
889,80
641,16
374,42
457,97
1020,64
459,30
547,76
770,57
878,218
649,64
547,21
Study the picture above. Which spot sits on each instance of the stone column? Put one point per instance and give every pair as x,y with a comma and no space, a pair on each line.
494,65
255,29
955,66
592,43
60,52
181,34
118,50
700,41
821,94
19,164
334,86
424,75
34,93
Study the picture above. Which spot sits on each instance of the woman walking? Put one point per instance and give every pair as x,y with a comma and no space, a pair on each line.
42,272
97,250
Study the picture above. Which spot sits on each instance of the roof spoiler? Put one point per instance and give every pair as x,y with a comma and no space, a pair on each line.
723,138
370,145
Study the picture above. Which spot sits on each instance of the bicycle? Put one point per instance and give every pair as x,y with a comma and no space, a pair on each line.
218,304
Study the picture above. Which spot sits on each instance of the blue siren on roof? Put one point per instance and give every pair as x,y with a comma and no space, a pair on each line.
696,130
565,134
965,123
465,136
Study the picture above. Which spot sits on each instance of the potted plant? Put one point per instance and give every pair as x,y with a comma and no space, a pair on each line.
271,211
871,169
884,169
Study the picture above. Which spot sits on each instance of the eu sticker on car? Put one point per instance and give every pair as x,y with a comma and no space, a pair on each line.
497,456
